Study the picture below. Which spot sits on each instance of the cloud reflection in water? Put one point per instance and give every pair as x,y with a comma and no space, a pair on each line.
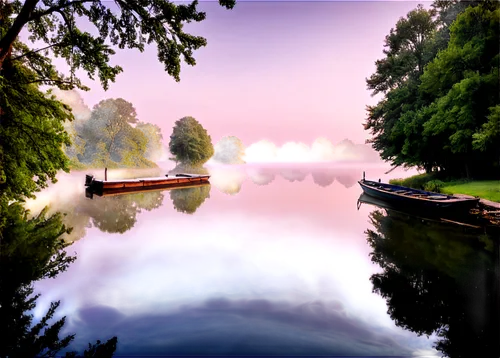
238,277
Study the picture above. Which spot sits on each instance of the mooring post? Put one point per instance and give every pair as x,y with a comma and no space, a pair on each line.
363,176
105,174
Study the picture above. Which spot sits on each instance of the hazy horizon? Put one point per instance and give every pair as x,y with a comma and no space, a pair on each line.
276,71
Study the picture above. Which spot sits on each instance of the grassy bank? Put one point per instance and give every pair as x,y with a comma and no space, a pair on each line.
486,189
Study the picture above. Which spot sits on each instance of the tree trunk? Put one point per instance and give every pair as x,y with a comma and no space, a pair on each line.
22,19
109,154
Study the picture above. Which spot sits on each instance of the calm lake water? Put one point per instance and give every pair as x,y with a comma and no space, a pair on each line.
270,260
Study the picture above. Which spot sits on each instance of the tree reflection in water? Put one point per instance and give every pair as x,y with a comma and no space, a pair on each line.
32,249
438,279
227,180
188,200
261,176
118,214
113,214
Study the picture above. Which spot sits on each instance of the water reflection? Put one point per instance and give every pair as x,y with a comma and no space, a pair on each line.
276,270
261,176
322,178
229,179
188,200
438,279
113,214
347,180
293,174
280,270
31,249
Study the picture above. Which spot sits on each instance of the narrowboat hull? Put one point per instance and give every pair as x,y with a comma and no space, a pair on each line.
413,199
89,193
100,186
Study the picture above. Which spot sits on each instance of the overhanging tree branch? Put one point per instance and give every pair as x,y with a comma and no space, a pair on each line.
12,33
60,44
50,10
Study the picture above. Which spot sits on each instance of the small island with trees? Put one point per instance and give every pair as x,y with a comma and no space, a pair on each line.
113,137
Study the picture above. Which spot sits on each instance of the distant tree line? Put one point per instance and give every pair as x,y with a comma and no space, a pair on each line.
441,96
191,144
113,137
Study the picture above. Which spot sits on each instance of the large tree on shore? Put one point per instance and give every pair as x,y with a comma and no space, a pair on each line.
441,112
463,84
32,122
397,77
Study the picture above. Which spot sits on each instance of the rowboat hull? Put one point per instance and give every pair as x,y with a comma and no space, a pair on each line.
100,186
412,199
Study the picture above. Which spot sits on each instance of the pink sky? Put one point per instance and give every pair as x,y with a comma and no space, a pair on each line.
282,71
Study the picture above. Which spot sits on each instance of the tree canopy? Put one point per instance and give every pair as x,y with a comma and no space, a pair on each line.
31,121
154,149
229,150
32,132
110,139
123,23
190,142
441,90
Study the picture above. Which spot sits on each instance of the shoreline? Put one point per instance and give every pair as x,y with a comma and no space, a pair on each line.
487,189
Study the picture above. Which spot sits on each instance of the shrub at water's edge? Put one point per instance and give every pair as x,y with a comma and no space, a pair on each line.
486,189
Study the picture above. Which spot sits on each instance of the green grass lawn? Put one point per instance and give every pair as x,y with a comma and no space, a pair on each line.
485,189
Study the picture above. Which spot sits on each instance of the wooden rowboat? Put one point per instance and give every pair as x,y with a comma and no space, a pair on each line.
408,198
103,186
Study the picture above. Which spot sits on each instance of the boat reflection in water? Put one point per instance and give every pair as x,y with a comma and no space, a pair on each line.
438,278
